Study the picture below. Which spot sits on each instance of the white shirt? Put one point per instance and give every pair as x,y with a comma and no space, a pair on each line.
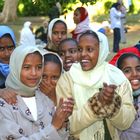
31,104
115,18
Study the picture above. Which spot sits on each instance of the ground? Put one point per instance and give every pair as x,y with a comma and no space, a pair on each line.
132,36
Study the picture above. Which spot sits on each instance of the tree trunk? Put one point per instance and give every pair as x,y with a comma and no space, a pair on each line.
9,12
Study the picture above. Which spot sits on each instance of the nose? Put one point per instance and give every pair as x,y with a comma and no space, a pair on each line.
33,71
59,35
83,53
7,53
134,73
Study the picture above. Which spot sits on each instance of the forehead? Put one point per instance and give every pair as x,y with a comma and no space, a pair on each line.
131,60
33,56
88,38
77,12
59,25
68,44
6,40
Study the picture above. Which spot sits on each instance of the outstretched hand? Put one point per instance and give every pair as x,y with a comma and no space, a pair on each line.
106,95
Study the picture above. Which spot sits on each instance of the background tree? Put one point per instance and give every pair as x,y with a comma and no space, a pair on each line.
9,11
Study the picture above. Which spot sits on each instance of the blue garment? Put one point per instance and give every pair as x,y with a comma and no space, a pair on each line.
4,69
6,30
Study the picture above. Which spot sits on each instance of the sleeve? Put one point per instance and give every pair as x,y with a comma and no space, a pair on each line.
117,13
85,115
11,130
121,119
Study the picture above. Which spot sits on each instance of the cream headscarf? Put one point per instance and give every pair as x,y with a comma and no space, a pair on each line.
102,72
50,28
16,61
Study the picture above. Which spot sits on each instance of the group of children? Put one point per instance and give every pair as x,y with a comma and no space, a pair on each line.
68,89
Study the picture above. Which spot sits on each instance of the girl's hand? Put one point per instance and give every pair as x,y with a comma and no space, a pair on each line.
8,95
107,94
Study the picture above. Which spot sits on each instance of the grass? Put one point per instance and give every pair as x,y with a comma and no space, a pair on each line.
133,25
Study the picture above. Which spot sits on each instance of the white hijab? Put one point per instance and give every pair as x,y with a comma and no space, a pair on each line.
26,36
13,80
102,72
50,28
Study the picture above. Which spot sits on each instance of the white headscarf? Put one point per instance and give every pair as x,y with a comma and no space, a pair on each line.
102,72
50,28
13,80
26,36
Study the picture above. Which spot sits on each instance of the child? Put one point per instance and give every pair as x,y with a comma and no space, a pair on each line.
41,121
53,68
7,45
68,51
101,92
81,19
129,63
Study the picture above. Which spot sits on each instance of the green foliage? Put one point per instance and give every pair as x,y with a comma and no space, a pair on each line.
42,7
1,5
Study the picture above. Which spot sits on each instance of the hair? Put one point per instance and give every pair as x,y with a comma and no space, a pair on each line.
50,57
60,21
115,5
68,40
125,56
7,35
91,33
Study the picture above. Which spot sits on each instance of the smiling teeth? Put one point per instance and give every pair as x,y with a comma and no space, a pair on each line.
83,61
135,81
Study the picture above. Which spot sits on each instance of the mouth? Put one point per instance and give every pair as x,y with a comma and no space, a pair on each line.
68,64
135,82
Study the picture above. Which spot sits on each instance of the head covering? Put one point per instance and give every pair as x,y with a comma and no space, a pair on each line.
7,30
4,68
26,36
102,72
16,61
50,27
27,24
134,50
50,44
83,12
83,25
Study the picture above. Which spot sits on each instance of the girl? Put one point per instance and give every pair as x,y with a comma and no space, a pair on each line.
53,68
7,45
57,31
102,94
33,107
129,63
81,19
68,51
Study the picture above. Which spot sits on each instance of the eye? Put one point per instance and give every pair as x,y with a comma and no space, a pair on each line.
80,49
138,68
39,66
2,49
64,33
55,33
73,51
26,67
90,49
55,78
44,76
10,48
127,70
61,53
